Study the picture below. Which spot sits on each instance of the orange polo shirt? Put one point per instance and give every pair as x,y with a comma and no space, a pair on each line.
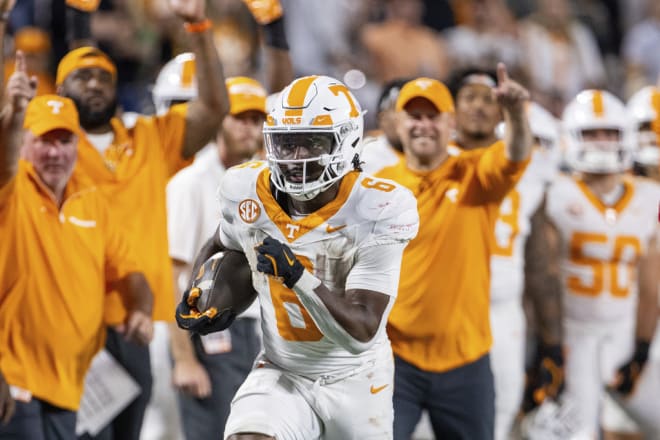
440,319
55,266
133,173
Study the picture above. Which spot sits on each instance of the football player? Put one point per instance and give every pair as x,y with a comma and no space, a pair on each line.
641,405
600,227
325,243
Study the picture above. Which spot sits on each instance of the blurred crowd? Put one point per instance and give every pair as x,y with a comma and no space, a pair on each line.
554,47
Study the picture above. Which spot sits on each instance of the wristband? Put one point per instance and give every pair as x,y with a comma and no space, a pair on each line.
275,35
198,27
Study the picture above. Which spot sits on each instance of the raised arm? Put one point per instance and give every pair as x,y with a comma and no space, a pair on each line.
20,89
205,113
512,98
269,15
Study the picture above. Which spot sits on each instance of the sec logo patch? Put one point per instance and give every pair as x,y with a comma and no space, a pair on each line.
249,210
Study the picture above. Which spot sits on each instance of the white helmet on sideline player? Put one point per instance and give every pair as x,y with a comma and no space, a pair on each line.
321,115
176,82
597,110
644,108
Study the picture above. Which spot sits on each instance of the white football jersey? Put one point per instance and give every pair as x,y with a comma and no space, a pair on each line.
601,246
378,154
366,212
513,226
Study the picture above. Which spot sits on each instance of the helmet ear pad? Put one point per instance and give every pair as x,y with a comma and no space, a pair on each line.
308,106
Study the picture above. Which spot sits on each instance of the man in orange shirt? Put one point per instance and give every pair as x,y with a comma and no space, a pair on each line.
131,166
62,250
439,325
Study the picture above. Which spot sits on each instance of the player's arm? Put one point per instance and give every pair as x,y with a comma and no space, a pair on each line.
188,374
20,89
647,317
205,113
351,318
542,282
545,378
512,98
269,15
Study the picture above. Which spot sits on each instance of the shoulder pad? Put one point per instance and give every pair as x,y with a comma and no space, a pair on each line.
241,180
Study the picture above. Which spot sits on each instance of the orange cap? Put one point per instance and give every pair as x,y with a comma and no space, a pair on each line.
427,88
49,112
81,58
245,94
30,39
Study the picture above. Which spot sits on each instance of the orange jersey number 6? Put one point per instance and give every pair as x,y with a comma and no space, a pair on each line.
293,321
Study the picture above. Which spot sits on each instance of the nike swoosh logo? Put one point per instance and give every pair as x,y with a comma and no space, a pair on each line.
289,259
329,229
376,390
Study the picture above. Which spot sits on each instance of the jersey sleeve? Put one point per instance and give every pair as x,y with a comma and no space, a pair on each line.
172,128
228,230
398,221
183,220
377,268
497,174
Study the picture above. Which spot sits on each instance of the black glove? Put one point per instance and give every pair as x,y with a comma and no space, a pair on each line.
629,372
545,378
210,321
275,258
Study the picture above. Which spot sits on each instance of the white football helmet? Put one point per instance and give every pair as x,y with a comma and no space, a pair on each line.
313,135
593,110
644,108
545,129
176,82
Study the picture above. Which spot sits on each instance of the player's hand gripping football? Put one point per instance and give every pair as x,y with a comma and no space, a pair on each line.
189,317
277,259
546,379
628,373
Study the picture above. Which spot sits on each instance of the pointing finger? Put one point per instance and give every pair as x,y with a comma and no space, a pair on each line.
20,65
502,74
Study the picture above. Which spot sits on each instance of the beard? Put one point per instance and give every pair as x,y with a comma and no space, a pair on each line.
89,120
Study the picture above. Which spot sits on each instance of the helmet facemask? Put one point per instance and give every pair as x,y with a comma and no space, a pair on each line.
648,153
305,163
600,156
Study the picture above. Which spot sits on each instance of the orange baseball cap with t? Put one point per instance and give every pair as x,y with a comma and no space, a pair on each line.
50,112
245,94
81,58
427,88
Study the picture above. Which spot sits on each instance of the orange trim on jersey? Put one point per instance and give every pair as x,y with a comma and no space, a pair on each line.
296,99
292,229
188,73
599,109
619,206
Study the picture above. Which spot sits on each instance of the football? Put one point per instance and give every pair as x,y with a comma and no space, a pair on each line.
225,281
